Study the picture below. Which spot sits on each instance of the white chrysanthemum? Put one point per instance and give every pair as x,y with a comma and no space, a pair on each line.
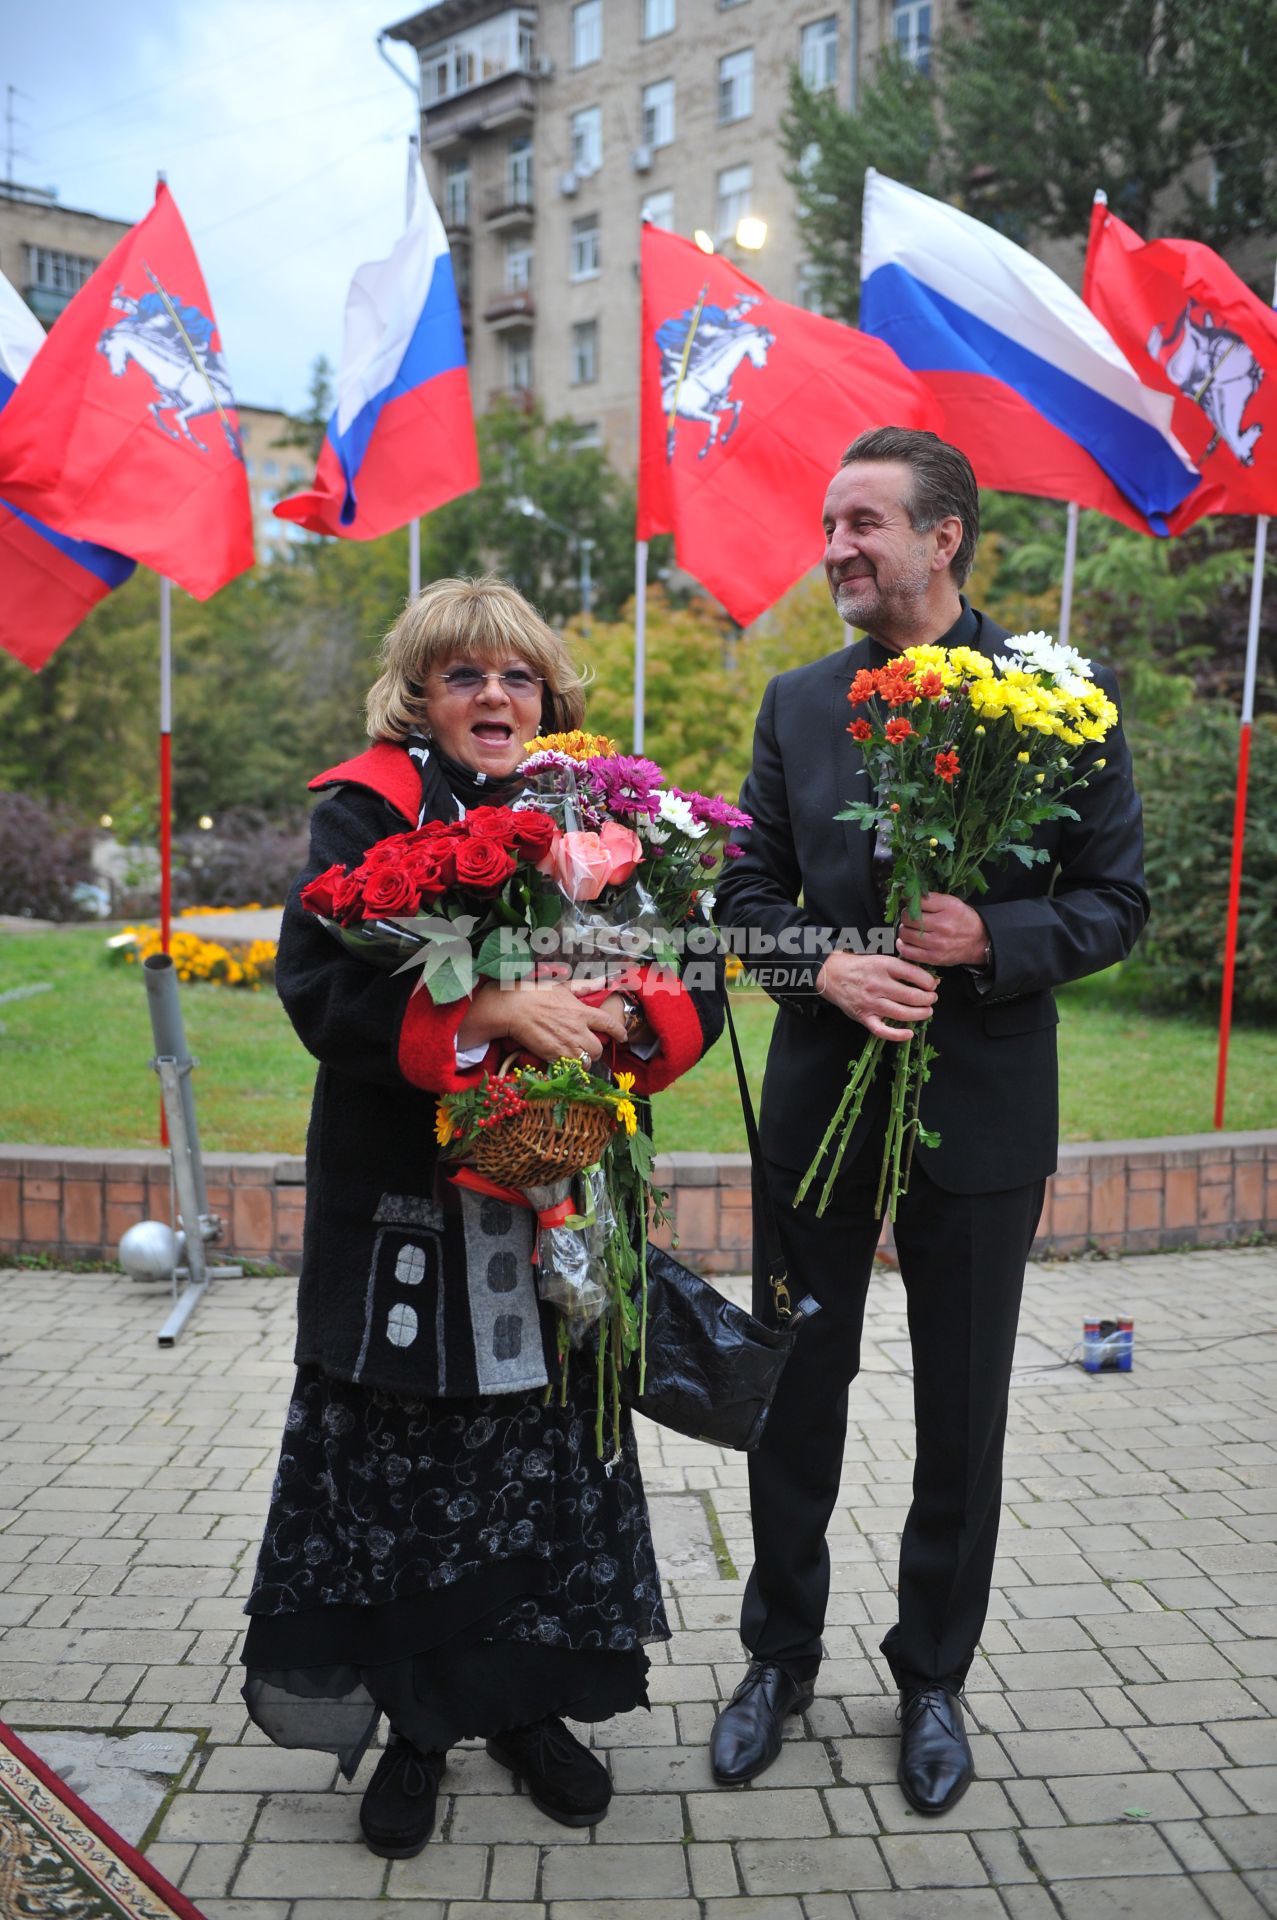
676,812
1039,653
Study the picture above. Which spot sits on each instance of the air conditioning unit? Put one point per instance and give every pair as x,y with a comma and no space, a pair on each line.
568,184
545,67
641,159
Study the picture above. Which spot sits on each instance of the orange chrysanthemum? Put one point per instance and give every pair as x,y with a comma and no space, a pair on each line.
898,730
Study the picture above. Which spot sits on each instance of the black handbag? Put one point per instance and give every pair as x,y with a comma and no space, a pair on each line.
712,1369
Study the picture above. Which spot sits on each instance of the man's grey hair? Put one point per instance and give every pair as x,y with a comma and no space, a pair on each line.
944,483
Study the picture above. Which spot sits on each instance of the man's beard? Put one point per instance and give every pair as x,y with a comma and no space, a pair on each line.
867,601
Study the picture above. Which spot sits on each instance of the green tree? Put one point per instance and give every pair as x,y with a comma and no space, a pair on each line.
307,428
1045,104
893,128
1167,104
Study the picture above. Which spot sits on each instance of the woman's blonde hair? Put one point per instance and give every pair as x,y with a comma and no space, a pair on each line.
483,619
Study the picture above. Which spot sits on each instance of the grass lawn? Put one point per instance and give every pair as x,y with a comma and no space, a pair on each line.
73,1062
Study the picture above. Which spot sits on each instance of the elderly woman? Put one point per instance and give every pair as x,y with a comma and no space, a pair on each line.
443,1546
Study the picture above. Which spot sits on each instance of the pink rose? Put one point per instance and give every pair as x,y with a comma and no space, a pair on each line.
581,865
624,850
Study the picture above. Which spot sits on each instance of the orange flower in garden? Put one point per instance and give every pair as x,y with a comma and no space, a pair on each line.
930,685
947,766
860,730
863,687
898,730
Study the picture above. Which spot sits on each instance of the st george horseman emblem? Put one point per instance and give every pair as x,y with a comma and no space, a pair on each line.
172,343
1216,370
700,352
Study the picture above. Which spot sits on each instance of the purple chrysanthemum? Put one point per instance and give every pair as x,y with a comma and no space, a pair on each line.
711,810
626,783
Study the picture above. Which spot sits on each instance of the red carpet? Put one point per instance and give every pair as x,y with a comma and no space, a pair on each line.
60,1859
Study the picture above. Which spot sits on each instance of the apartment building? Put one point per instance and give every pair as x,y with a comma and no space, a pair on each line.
551,131
48,251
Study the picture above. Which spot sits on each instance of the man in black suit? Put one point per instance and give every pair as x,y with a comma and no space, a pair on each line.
901,523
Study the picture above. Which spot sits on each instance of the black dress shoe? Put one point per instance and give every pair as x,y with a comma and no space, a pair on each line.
566,1781
397,1812
936,1767
746,1736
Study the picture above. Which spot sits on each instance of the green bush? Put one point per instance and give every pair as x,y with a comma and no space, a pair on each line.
1186,770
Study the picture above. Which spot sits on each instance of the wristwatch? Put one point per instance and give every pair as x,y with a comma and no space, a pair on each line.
633,1015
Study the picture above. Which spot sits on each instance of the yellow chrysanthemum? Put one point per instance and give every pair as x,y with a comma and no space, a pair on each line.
627,1115
576,745
444,1128
625,1082
969,664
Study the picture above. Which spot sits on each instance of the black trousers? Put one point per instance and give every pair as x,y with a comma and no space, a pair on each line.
962,1260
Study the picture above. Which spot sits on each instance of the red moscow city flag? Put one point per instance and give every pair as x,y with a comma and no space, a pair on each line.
1190,327
124,429
747,406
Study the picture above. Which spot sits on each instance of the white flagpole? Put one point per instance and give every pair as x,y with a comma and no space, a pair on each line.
1070,562
166,760
640,640
414,525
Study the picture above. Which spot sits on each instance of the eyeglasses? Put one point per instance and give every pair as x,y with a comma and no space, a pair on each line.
516,681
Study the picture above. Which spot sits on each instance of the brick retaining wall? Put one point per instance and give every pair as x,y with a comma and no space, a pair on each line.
1116,1196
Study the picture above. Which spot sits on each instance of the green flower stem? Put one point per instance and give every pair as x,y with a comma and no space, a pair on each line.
598,1403
857,1080
890,1168
926,1053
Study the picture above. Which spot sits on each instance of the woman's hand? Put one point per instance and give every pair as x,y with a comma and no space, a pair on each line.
542,1017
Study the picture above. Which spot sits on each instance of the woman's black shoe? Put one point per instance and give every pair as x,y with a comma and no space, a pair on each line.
564,1778
936,1767
397,1813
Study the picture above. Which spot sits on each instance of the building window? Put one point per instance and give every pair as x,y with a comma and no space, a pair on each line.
587,433
736,86
518,171
911,25
461,271
518,266
658,113
658,17
585,247
658,211
456,194
57,272
587,33
587,140
585,353
818,55
479,54
735,189
518,361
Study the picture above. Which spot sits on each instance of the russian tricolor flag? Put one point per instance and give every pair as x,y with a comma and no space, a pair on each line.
1034,390
50,580
401,441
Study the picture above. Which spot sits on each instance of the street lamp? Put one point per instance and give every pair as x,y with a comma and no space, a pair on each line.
751,233
584,546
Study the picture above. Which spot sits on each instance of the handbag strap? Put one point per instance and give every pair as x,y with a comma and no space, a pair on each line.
764,1206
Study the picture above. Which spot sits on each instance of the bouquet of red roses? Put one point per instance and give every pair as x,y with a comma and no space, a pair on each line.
440,896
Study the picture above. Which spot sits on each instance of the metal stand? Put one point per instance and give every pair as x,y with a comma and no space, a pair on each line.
173,1064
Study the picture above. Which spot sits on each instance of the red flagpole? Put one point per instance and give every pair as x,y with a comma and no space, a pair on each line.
1239,821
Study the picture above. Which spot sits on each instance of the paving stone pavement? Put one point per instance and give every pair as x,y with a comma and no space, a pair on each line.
1122,1704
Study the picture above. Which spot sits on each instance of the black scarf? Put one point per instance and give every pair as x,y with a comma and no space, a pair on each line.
470,788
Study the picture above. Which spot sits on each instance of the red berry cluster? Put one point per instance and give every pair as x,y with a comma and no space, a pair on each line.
502,1101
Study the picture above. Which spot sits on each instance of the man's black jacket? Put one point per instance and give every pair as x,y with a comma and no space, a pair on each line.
993,1091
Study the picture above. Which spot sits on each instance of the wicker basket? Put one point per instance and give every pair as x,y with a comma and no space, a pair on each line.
532,1149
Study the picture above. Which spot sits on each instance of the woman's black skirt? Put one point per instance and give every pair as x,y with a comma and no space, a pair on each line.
462,1566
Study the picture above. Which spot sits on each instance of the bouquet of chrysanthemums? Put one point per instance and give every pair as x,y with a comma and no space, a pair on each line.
631,852
968,756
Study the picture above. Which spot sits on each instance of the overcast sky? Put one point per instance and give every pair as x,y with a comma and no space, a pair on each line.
281,131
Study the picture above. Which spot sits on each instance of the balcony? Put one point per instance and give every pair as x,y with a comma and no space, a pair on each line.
509,207
510,310
522,399
508,100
